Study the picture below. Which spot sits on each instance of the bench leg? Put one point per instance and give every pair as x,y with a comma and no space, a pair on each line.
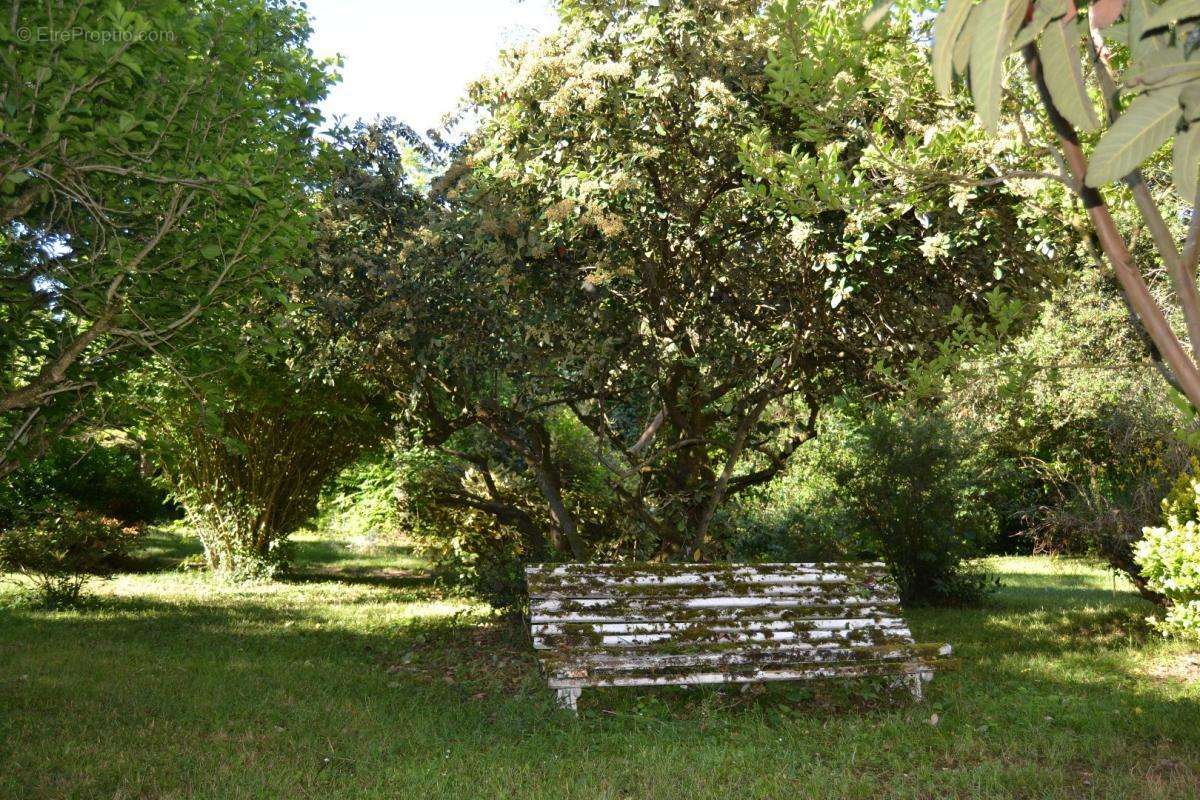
913,681
567,698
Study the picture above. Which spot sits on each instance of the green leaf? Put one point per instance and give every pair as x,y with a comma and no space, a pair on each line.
1059,48
210,251
1187,164
1172,11
1189,99
946,29
1140,42
993,26
1044,13
131,64
1117,34
1164,68
878,11
962,47
1138,133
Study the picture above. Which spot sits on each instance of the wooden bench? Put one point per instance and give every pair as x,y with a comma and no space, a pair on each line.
682,624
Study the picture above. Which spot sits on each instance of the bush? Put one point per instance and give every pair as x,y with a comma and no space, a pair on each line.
362,502
477,510
1077,430
476,549
250,467
799,516
908,478
59,553
881,483
1169,557
104,477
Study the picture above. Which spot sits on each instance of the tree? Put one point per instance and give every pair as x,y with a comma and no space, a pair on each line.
1140,59
146,179
250,448
650,230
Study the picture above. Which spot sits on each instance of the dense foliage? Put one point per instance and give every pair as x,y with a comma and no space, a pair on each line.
107,474
362,503
149,184
1137,58
1077,428
902,485
717,279
909,483
59,552
250,449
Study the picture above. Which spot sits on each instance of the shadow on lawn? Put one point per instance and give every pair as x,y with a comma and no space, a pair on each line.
461,659
362,576
160,550
315,561
1019,669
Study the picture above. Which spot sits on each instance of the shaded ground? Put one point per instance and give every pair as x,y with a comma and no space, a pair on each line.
359,680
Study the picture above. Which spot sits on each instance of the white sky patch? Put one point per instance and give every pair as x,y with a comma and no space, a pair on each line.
412,59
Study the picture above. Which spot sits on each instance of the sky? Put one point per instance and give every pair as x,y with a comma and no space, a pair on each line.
412,59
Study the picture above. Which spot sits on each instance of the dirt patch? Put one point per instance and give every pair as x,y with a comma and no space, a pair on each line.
1184,667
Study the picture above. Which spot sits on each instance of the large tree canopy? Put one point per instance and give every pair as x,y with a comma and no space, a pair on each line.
652,230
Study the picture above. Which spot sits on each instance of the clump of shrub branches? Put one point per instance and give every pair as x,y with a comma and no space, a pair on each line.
250,470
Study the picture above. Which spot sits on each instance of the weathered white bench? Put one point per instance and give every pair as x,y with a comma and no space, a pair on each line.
682,624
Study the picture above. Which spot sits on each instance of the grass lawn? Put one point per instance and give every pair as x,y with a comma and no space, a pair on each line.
357,679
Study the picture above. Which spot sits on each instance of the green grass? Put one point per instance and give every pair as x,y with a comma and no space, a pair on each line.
358,680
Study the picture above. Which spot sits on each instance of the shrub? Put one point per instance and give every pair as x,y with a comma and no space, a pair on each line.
799,516
477,510
111,479
905,479
362,502
478,546
1169,557
58,553
880,483
1078,434
252,473
105,477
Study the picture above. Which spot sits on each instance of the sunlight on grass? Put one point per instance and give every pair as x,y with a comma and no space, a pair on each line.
355,687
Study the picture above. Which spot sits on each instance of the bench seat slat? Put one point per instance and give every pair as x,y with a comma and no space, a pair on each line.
570,665
847,591
693,573
686,678
861,636
797,647
675,580
688,628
